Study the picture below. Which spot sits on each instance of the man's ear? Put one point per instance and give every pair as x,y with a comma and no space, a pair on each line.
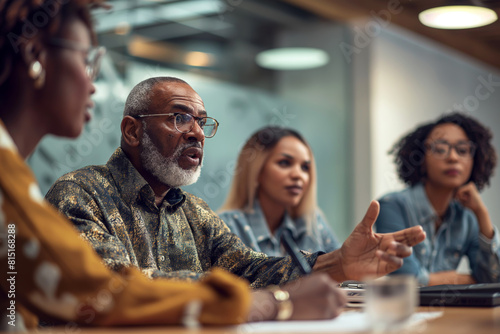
131,131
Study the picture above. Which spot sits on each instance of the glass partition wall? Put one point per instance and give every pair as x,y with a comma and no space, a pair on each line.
213,45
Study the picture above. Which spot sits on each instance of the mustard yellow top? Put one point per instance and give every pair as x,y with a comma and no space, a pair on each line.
48,271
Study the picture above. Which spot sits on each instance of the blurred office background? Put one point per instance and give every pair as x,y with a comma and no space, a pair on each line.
382,73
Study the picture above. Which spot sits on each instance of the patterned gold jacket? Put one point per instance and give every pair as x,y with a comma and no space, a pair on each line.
114,209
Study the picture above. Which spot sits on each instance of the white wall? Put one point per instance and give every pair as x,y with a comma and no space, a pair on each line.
412,81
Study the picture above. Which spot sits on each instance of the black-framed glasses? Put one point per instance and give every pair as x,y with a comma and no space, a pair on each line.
93,55
185,122
442,149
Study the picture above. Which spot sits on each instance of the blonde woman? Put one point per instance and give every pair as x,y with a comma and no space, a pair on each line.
273,190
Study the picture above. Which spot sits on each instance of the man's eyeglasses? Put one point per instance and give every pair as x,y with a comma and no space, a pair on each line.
93,55
441,149
185,122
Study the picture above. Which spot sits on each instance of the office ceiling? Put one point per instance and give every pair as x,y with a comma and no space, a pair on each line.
481,43
226,34
232,32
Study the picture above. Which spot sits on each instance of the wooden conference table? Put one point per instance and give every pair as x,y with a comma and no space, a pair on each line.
455,320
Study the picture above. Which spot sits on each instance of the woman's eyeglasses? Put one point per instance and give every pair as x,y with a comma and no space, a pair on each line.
93,55
442,149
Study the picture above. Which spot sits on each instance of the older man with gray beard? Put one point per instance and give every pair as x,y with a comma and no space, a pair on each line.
133,213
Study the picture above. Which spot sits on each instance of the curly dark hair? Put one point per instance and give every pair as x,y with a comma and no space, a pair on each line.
409,151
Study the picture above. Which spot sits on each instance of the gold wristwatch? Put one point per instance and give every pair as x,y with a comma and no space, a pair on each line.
285,306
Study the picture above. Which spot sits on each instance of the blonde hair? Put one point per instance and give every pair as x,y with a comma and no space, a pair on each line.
251,160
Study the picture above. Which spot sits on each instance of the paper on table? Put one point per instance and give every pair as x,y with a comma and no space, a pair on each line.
347,322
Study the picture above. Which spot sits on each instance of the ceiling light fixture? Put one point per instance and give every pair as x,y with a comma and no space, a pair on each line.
123,28
199,59
292,58
457,17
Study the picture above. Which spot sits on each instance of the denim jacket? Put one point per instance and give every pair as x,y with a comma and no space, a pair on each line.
443,249
253,230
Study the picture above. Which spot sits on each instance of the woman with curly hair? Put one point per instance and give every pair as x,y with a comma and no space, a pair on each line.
446,164
49,59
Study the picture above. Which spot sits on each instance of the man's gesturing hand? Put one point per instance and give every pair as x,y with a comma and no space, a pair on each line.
365,253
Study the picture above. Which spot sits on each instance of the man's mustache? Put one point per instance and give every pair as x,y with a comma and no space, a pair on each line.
196,144
181,148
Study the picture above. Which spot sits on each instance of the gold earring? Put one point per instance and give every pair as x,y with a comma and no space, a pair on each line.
35,69
37,73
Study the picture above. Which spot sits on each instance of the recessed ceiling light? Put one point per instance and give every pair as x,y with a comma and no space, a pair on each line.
199,59
457,17
292,58
122,28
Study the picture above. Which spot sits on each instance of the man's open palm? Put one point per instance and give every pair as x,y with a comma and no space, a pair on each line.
365,253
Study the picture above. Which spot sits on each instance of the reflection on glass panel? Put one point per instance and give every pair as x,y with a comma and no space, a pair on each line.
212,46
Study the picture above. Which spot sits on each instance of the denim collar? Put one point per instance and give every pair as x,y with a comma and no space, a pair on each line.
258,223
423,207
425,210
